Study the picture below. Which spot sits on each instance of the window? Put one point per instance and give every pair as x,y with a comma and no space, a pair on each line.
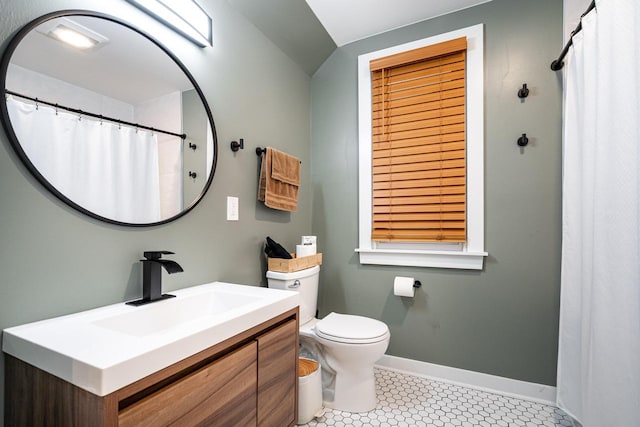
418,143
421,153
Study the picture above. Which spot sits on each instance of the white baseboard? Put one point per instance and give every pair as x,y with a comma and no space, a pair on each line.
539,393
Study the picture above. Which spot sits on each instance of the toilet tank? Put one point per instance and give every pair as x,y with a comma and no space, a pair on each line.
305,282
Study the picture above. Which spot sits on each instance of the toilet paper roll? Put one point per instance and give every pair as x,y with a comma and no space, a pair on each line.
305,250
403,287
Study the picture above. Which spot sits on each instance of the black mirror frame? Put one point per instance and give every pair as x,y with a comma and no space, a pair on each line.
6,122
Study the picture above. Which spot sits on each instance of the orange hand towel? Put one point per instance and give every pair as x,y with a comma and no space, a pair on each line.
279,180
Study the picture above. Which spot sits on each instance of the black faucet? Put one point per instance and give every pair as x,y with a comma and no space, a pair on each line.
152,276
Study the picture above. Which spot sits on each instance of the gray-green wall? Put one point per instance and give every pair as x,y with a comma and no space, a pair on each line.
502,320
55,261
194,124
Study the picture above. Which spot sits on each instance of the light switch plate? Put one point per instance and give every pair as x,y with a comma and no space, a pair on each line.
232,208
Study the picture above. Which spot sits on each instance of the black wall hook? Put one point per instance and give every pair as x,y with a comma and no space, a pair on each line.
235,145
192,174
193,146
523,140
523,92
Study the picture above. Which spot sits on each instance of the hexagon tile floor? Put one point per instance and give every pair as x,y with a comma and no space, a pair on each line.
407,400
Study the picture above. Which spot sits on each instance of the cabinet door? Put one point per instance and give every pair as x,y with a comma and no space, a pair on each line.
277,376
222,393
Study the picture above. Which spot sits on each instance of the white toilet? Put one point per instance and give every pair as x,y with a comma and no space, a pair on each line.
348,345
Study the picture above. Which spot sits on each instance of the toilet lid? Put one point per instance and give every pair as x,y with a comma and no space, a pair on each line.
351,329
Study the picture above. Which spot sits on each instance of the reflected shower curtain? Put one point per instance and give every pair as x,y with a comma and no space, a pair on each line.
107,170
599,345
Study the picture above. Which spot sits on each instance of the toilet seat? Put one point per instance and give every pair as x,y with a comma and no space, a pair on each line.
350,329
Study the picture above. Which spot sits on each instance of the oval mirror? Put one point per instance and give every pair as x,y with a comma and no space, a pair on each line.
107,119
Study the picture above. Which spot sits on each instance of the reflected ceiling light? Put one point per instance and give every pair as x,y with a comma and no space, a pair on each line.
73,37
184,16
72,33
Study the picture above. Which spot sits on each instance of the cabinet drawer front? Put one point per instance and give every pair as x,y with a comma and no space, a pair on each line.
277,376
222,393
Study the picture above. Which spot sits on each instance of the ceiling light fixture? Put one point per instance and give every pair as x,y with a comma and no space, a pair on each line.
73,37
73,34
183,16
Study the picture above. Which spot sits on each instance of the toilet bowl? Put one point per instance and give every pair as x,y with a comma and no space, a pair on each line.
347,345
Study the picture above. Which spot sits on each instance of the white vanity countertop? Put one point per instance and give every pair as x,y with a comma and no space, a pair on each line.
107,348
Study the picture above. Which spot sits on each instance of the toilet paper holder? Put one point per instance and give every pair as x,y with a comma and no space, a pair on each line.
405,286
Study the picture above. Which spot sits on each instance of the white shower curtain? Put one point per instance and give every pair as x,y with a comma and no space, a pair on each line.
107,170
599,346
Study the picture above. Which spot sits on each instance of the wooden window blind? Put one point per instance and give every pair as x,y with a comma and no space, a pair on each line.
419,144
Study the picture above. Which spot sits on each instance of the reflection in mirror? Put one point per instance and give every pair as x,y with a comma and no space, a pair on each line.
105,119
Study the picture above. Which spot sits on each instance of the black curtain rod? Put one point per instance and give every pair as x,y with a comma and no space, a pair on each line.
97,116
557,64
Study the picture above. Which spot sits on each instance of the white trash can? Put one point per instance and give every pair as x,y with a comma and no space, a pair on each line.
309,390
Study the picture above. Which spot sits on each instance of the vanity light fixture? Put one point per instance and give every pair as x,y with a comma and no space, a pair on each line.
70,32
183,16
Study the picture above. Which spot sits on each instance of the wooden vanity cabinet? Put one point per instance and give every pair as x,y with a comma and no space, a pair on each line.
247,380
222,393
277,382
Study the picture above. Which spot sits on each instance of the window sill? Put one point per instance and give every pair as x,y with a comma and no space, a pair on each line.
416,258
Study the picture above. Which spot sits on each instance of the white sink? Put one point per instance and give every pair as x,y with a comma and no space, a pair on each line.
164,317
107,348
